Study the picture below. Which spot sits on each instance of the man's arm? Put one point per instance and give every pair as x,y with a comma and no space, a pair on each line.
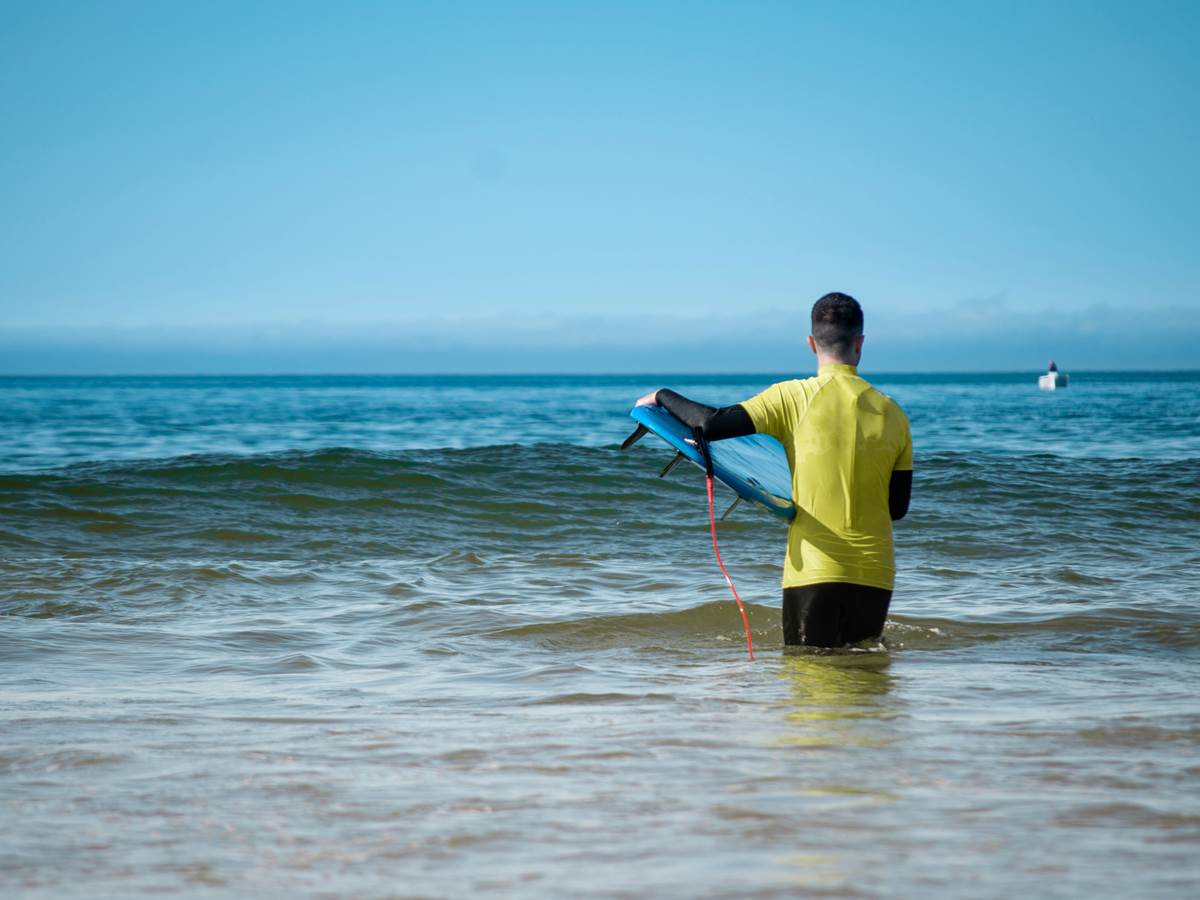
900,486
899,493
714,424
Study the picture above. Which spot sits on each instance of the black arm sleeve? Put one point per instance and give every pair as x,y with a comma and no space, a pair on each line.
714,424
899,494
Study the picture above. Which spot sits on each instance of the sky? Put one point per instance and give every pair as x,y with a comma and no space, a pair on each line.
596,186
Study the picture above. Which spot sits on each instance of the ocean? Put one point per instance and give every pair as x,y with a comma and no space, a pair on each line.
440,637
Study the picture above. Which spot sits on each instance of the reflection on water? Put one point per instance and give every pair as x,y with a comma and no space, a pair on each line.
837,699
840,708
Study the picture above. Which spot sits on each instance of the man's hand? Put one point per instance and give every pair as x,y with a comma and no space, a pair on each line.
651,399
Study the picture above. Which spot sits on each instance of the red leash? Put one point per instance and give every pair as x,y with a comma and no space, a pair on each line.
712,520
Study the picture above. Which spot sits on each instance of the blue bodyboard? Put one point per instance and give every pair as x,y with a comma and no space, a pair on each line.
755,467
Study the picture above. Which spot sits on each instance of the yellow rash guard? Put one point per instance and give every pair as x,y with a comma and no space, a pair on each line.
843,440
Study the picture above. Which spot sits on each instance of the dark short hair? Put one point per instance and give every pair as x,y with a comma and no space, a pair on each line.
837,320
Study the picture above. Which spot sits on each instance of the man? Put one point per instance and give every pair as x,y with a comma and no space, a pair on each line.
850,452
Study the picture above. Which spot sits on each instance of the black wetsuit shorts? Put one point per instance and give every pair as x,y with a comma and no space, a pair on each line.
833,614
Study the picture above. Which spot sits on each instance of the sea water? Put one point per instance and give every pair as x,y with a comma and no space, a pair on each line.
439,637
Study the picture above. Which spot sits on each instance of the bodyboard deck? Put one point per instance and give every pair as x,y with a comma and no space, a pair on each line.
755,467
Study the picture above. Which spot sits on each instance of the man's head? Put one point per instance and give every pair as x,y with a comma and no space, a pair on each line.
837,329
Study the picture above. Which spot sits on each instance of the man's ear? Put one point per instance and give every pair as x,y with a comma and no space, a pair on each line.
812,344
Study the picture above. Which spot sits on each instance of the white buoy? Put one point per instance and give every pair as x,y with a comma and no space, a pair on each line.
1053,379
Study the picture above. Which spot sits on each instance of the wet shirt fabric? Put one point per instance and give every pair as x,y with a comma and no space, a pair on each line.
843,440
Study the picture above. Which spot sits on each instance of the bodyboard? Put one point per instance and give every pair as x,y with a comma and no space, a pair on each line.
754,467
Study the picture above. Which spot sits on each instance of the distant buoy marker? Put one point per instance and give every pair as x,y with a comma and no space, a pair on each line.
1053,379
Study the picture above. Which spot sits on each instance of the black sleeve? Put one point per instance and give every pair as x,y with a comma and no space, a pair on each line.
714,424
899,493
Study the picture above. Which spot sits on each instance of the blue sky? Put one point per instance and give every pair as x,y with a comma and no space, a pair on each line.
564,186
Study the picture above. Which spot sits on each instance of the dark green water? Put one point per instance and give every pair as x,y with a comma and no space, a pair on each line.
432,637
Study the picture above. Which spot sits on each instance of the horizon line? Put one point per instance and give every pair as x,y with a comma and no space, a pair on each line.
575,374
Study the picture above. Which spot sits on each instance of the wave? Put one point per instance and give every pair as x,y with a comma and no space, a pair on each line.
313,480
348,466
718,621
1074,531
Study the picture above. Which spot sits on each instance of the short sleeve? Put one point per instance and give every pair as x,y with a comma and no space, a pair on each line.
768,411
904,461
